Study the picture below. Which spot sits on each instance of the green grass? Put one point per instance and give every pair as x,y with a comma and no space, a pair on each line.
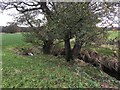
113,34
12,40
104,51
46,70
107,49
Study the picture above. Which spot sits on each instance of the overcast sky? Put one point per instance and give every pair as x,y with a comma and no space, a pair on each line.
4,19
7,16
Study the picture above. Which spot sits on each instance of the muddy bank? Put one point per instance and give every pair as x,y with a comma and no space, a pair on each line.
109,65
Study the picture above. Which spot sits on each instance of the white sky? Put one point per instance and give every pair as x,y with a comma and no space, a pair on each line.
7,16
4,19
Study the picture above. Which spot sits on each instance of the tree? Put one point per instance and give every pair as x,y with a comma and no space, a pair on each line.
12,28
75,20
29,9
37,33
66,21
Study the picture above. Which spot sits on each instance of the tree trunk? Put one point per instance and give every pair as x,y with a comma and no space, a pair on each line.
47,46
76,49
68,51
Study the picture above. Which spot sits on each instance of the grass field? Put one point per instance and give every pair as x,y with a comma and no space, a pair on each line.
46,70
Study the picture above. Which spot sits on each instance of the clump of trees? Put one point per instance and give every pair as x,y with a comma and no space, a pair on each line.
62,22
12,28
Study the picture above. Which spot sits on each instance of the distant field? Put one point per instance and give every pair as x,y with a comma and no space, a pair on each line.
12,39
46,70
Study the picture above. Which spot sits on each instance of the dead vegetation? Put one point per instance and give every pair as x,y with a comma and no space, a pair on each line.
110,65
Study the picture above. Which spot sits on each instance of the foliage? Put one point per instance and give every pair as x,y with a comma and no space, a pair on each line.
12,28
75,18
30,37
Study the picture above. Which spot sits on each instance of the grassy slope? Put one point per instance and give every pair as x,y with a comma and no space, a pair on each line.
46,70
